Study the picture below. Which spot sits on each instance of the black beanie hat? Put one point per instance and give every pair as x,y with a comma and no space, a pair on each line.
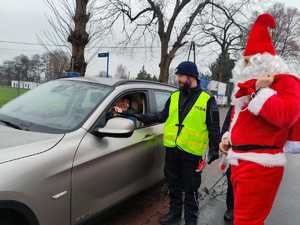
187,68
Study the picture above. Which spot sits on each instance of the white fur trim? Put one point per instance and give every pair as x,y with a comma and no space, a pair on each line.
292,147
226,135
238,105
264,159
259,100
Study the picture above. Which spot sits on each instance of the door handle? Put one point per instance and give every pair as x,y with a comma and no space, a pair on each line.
148,136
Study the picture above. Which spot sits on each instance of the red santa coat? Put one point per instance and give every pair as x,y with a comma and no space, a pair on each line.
271,118
293,144
268,120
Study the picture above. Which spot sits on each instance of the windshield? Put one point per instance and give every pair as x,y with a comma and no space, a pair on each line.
57,106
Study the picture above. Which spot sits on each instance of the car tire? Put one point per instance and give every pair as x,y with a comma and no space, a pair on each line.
9,217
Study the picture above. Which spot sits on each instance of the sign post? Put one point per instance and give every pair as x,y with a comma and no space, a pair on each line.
105,55
18,68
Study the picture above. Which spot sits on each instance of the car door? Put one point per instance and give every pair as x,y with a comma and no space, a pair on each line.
159,99
107,170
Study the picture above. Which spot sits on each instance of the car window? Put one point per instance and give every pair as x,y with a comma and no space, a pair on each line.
136,103
91,98
56,106
161,97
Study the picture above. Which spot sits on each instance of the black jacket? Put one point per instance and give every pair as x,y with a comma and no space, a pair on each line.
227,121
186,102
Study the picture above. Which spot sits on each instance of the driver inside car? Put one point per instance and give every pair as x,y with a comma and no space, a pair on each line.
122,108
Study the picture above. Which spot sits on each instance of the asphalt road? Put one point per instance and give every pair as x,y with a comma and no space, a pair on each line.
286,209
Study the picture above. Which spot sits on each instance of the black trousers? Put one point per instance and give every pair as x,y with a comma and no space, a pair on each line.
229,195
184,182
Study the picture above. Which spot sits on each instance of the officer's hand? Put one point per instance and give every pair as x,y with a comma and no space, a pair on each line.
212,157
224,146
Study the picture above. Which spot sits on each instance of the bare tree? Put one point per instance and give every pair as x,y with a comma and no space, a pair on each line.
221,69
144,75
170,21
172,76
121,72
223,29
26,68
57,63
9,72
74,26
286,34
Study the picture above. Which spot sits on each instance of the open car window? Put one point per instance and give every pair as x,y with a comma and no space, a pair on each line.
137,105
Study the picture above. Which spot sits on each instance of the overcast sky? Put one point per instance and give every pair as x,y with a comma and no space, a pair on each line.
23,20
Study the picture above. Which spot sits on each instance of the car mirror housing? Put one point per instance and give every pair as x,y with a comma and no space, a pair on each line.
116,127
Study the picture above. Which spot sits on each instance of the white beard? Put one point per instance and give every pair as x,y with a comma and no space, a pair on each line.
260,65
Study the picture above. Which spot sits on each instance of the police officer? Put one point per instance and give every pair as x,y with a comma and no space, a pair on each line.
191,120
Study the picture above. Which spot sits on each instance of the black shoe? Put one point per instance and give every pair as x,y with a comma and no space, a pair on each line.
190,223
228,216
170,218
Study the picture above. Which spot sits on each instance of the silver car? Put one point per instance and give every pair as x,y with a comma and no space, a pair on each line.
63,160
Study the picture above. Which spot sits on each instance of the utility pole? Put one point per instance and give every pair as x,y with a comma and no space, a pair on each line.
18,68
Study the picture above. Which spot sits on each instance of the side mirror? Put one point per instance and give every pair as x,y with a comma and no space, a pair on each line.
117,127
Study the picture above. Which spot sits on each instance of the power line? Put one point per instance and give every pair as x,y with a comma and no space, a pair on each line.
18,49
115,51
62,45
29,43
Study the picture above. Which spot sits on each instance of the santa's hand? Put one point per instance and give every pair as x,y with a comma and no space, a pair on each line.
224,146
264,82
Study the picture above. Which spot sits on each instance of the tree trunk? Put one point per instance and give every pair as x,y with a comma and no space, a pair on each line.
164,70
165,61
79,37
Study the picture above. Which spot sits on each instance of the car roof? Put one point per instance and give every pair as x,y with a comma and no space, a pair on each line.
117,82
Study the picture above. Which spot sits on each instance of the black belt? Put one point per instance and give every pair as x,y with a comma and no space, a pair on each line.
253,147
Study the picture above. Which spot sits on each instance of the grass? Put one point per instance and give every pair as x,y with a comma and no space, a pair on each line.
8,93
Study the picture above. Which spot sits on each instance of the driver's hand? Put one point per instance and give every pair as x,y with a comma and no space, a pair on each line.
224,146
118,109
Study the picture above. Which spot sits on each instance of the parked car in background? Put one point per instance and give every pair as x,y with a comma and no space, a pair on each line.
62,161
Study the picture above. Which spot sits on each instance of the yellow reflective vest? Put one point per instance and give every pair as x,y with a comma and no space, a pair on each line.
193,135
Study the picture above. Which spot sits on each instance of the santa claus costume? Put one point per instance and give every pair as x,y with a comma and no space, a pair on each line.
262,122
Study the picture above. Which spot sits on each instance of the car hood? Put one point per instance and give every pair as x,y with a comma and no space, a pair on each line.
16,144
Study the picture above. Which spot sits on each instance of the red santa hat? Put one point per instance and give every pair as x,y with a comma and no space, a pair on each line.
259,40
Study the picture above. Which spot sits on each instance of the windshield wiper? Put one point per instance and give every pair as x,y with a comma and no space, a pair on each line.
10,124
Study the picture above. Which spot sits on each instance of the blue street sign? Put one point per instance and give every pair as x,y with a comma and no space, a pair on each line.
103,55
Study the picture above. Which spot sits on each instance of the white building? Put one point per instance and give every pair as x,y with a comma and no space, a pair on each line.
23,84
